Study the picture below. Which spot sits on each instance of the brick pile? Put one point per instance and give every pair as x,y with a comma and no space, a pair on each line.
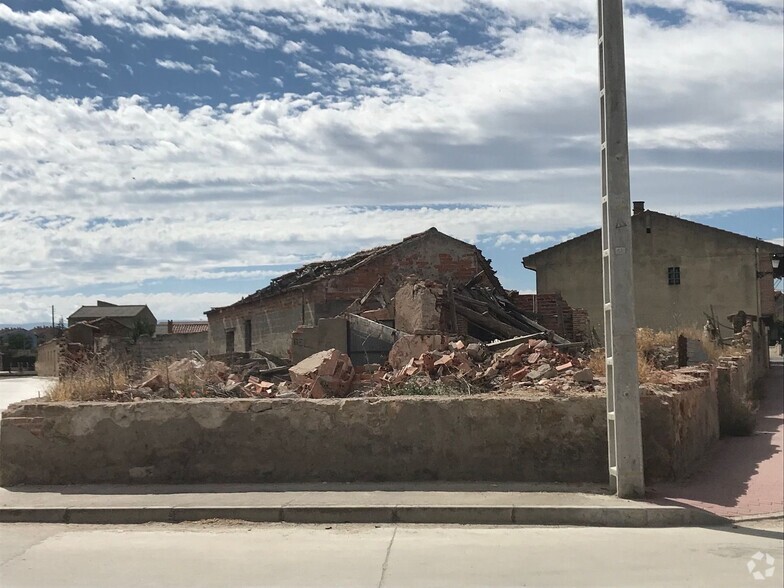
475,367
420,360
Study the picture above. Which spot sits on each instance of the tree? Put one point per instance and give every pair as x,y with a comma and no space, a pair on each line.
18,341
141,328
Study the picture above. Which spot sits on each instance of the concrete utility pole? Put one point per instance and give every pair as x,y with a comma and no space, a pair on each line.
623,393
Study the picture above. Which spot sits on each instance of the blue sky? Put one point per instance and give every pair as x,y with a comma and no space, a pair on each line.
183,152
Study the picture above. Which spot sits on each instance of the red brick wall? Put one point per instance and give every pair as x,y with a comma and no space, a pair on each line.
553,313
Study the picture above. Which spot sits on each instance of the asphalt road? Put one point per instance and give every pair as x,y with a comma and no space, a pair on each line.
14,389
225,555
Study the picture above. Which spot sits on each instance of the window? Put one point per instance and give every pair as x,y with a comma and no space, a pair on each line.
673,275
248,333
230,341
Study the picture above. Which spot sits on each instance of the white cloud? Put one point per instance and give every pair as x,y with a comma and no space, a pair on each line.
260,39
98,62
45,42
425,38
293,46
9,44
191,244
209,68
38,20
342,51
507,239
36,308
17,80
88,42
179,65
69,60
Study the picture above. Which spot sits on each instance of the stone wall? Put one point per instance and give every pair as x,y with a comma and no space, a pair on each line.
736,378
488,438
679,426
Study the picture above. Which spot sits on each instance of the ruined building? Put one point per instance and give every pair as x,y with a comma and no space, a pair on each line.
266,319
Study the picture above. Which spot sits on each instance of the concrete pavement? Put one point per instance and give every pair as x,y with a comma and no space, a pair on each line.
743,476
442,502
388,556
15,388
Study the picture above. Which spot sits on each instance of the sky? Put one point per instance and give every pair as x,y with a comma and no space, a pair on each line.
181,153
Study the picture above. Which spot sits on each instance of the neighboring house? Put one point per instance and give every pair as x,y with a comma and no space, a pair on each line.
181,327
132,316
682,270
266,319
118,336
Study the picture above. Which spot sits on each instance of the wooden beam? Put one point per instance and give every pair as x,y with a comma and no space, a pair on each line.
507,343
489,323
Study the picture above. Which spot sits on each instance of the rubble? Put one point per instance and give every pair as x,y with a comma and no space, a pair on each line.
328,373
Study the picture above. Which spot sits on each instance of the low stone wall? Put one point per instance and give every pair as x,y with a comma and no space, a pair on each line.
678,426
736,378
487,438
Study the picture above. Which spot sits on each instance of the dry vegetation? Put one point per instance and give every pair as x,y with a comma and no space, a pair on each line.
92,380
100,378
650,342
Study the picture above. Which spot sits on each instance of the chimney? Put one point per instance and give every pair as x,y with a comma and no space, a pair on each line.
639,207
170,327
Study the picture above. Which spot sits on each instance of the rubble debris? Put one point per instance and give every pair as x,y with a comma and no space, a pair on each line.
409,347
328,373
490,314
584,376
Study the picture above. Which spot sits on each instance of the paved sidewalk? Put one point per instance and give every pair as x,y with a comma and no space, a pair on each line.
744,476
467,503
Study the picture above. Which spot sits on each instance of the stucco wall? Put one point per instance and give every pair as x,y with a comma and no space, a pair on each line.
48,358
716,268
405,438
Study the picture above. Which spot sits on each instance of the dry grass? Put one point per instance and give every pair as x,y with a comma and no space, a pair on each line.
712,348
596,362
92,380
648,341
646,371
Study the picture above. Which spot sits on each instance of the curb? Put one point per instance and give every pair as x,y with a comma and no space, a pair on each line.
586,516
759,517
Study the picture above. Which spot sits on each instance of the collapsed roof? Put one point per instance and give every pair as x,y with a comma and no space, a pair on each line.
313,272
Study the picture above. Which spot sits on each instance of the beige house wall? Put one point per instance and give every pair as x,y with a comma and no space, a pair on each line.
717,268
48,358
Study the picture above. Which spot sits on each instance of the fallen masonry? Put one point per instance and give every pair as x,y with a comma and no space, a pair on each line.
435,363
